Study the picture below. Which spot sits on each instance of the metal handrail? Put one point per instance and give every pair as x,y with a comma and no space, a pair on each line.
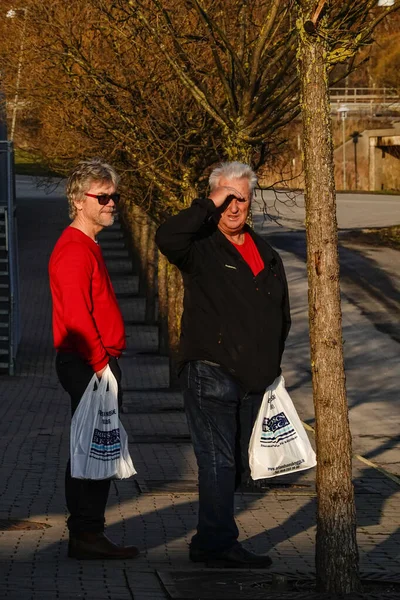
363,94
12,254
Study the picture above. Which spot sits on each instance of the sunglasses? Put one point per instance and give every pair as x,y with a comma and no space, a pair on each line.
104,199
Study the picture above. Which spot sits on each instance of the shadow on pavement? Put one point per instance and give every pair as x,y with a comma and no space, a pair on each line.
35,433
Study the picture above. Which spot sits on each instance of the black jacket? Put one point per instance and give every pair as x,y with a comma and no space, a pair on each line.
230,317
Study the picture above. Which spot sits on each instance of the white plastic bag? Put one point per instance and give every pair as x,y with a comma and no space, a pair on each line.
99,443
278,443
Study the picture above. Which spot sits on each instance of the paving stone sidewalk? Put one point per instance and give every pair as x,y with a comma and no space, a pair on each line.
156,510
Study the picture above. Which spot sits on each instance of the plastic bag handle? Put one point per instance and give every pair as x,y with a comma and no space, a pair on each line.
102,383
109,382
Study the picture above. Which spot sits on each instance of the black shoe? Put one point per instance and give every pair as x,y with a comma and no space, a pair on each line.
93,546
236,557
198,555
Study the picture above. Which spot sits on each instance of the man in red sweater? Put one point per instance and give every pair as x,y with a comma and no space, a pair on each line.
88,334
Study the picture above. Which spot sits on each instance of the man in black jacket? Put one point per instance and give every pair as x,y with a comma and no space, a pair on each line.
235,321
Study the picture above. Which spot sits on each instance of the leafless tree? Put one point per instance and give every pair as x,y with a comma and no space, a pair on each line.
328,33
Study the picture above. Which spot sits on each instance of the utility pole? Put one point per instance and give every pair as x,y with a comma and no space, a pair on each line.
11,14
343,110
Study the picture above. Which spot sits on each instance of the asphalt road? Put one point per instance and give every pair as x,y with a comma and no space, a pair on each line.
354,211
370,285
369,276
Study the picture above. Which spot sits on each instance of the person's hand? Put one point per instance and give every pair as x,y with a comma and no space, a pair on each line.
100,373
224,194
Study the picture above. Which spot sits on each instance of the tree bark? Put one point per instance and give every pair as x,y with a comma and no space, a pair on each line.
175,304
126,217
236,149
151,292
130,217
163,338
143,251
336,545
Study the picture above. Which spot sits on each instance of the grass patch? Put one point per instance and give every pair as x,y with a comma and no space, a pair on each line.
388,237
28,163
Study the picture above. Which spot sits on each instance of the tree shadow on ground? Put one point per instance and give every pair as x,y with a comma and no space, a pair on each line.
363,280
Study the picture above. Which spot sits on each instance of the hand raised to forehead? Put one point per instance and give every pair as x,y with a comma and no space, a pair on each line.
224,193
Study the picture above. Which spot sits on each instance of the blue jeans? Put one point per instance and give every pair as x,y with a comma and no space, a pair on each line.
220,417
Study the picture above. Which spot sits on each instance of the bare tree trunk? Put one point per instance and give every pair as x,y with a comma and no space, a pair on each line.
123,213
143,251
336,545
136,225
237,149
175,302
126,213
163,338
151,292
130,219
241,151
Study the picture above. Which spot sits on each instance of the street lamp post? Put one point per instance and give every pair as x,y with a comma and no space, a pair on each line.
343,110
11,14
355,135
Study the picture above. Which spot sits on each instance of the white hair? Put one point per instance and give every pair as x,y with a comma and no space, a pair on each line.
233,170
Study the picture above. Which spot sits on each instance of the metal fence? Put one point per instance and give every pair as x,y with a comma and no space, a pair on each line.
10,332
378,95
371,101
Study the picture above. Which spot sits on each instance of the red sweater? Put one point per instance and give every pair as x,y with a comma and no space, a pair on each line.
86,316
251,255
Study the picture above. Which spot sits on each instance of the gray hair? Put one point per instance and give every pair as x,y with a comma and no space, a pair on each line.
233,170
85,173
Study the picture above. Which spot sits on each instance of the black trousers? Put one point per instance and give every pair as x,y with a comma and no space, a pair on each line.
86,498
